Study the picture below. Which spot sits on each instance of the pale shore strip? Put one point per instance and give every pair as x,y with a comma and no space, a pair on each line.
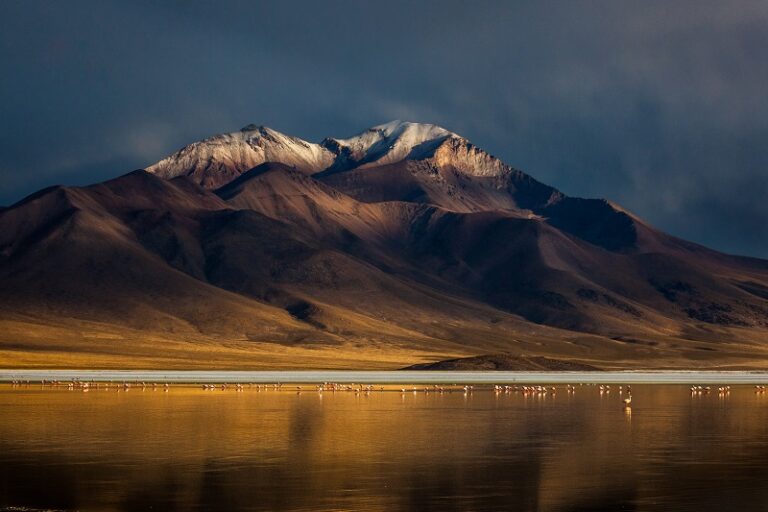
391,377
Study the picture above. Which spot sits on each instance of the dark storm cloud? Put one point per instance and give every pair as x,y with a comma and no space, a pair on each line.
659,106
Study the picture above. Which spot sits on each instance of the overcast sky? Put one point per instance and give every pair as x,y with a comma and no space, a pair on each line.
659,106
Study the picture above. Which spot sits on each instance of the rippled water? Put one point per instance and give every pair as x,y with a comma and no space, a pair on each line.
189,449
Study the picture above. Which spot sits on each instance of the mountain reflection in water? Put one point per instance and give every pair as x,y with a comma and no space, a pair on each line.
189,449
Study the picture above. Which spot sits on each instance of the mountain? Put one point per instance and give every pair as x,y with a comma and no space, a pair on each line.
405,244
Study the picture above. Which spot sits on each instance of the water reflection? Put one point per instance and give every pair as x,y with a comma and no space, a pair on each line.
190,449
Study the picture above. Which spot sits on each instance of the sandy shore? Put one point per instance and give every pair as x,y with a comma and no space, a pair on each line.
393,377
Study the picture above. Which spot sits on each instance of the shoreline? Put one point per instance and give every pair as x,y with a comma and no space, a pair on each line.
392,377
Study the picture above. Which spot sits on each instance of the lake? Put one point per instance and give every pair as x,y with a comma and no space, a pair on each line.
267,449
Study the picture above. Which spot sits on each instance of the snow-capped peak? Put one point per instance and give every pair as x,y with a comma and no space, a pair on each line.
392,142
221,158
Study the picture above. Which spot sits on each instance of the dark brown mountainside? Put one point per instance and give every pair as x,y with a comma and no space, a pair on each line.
404,244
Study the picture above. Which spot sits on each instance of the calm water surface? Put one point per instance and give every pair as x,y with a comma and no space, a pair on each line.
189,449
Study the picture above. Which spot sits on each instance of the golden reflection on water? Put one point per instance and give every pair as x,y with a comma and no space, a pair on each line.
189,449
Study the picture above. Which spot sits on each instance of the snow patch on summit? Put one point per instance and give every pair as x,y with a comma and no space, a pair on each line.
219,159
392,142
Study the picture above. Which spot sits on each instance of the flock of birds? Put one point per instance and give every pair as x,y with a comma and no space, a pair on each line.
86,386
721,390
624,391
